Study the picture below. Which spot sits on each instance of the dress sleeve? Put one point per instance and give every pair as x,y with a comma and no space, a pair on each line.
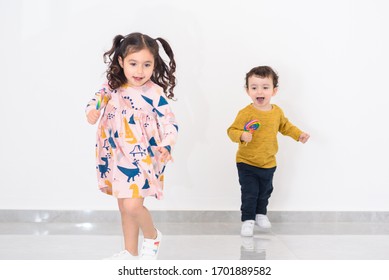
100,99
167,125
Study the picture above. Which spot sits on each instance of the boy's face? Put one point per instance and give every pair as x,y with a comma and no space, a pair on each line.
261,90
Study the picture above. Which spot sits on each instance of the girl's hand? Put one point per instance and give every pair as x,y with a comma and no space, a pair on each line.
304,137
165,154
104,190
93,116
246,137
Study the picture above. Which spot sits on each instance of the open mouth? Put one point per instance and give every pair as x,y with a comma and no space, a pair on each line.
260,99
138,79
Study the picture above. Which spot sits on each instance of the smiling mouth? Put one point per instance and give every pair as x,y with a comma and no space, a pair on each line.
260,99
138,78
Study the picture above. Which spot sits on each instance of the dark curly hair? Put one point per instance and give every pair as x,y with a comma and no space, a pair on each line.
263,72
163,74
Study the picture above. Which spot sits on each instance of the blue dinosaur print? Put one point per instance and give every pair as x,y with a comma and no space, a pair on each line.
136,122
103,168
131,172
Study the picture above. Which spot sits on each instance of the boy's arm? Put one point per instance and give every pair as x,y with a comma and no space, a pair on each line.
288,129
236,129
304,137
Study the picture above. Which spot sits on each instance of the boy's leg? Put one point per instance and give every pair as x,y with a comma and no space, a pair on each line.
249,191
265,189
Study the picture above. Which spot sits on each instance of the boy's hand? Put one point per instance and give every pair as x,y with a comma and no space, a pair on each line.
93,116
304,137
246,137
165,154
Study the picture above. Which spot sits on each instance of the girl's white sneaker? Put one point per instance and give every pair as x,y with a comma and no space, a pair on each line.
123,255
247,228
150,247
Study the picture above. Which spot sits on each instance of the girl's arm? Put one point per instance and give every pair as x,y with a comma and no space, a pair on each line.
168,129
93,116
96,104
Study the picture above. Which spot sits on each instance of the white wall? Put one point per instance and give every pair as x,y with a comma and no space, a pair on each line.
332,57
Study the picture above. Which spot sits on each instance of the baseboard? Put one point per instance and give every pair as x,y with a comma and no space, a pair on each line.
102,216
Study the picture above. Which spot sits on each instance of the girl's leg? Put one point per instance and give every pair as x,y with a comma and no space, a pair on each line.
130,230
134,216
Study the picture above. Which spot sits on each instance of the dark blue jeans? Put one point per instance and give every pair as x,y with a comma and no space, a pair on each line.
256,185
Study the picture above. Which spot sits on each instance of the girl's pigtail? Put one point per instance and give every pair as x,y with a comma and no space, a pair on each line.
172,66
114,69
116,43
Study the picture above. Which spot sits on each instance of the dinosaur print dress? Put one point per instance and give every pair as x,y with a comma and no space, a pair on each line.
135,121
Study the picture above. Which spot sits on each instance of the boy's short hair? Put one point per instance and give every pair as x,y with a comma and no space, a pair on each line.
263,72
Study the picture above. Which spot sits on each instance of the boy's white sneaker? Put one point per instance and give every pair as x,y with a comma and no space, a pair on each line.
150,247
262,221
247,228
123,255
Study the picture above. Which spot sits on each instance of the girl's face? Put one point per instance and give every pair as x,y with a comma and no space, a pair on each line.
261,90
138,67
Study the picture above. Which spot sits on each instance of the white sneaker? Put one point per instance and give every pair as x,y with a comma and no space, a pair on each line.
247,228
123,255
150,247
262,221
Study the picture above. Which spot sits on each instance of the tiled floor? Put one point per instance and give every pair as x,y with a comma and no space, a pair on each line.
199,241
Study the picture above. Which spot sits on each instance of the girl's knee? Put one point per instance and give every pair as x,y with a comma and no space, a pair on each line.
131,207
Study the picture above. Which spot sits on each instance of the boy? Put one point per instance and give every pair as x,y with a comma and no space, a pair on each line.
256,161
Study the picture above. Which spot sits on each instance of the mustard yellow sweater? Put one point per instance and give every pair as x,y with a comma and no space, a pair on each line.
261,151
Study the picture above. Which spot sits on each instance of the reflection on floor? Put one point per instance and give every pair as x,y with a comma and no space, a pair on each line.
199,241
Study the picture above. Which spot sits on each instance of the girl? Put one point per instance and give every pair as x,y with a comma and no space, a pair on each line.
136,134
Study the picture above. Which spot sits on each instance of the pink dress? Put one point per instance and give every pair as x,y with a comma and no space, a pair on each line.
135,121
